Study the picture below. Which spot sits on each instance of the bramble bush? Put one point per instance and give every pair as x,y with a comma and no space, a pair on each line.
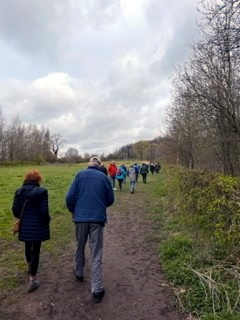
200,249
209,205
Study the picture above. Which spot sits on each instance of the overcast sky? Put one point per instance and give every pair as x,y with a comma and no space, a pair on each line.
95,71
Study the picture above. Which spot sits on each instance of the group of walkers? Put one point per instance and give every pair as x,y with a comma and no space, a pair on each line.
155,167
119,173
89,196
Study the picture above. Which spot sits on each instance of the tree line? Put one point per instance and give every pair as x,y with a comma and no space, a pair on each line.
204,113
19,142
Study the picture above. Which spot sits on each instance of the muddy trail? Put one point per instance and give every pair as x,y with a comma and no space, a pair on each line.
136,288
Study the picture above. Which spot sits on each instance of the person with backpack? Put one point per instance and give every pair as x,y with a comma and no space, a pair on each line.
112,170
158,167
144,171
137,169
121,175
125,168
152,168
132,178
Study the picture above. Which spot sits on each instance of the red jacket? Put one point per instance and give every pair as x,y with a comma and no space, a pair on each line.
112,170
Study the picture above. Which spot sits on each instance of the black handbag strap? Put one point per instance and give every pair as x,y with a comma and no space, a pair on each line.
24,205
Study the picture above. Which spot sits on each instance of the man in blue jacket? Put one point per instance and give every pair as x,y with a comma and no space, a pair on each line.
87,199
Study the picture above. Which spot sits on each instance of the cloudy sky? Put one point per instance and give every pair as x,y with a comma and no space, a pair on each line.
97,72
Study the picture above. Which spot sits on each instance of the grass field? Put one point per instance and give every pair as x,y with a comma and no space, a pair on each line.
57,179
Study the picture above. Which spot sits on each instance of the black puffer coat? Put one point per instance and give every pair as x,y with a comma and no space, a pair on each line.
35,218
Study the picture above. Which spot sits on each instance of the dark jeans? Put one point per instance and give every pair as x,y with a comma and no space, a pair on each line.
120,182
144,177
32,253
112,180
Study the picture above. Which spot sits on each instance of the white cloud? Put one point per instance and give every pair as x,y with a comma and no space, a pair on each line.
95,72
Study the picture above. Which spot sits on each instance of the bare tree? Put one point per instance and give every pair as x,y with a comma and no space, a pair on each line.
46,145
56,143
72,155
15,140
3,141
210,83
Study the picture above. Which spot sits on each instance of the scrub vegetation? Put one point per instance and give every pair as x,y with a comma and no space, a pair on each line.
198,214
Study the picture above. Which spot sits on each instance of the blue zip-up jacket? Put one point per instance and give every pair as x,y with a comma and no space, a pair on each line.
123,173
89,196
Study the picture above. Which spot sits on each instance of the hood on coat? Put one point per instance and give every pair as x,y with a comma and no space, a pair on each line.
35,192
31,190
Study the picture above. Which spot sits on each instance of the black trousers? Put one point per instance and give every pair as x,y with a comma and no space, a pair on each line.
144,177
32,254
120,182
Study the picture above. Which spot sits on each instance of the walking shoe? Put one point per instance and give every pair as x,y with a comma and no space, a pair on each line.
33,286
79,279
97,297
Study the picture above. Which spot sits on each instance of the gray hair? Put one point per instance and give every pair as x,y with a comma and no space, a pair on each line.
94,162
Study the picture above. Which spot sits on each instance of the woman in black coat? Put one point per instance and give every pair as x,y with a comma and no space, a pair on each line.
31,203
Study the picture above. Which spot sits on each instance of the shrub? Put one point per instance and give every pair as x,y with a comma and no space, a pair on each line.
200,247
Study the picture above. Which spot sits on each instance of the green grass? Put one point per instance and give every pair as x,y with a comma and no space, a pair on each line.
57,179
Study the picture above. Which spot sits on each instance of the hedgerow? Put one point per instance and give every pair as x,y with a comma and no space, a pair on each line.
200,249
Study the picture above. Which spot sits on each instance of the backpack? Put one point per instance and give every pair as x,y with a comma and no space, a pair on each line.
119,172
136,168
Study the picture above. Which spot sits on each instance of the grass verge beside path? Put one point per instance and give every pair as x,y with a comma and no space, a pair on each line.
57,179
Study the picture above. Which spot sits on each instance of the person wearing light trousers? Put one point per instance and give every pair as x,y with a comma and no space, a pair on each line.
87,199
132,178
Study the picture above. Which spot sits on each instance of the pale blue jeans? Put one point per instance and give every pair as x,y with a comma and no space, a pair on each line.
132,185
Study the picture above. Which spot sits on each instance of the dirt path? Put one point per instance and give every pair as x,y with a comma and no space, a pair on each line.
134,283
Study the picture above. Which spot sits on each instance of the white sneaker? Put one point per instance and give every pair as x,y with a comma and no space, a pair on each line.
114,188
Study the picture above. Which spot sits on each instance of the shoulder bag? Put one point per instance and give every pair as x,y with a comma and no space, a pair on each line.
17,223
